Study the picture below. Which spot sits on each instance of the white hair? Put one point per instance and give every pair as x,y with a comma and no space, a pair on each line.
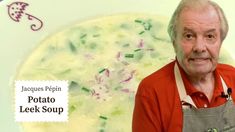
194,4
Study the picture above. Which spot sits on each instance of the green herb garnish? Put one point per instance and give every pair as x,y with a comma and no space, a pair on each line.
103,117
141,32
129,55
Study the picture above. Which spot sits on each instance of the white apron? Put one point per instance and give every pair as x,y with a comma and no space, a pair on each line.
216,119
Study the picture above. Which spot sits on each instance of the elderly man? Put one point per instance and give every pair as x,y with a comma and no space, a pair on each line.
194,93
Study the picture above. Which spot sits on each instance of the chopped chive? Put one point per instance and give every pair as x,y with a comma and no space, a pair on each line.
43,59
138,21
141,32
116,112
73,84
139,55
161,39
118,87
103,117
156,37
125,63
65,71
72,47
72,109
150,26
83,41
125,26
92,45
96,35
137,50
147,26
129,55
102,70
85,89
126,45
83,36
101,130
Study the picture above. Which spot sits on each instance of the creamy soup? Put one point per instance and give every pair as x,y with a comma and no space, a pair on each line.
104,60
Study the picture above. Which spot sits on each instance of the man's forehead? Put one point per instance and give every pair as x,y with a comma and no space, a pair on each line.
203,14
193,18
189,29
195,26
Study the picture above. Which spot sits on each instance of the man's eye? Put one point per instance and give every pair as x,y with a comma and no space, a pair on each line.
188,36
210,36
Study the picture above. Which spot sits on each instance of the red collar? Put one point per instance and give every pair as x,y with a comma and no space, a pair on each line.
191,90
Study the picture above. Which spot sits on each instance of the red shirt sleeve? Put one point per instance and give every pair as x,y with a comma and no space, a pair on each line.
146,116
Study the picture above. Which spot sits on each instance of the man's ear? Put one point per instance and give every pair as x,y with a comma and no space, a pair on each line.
174,45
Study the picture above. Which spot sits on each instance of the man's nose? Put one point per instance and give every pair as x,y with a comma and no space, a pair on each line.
199,45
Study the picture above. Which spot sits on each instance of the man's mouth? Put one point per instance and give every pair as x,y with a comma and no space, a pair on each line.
199,60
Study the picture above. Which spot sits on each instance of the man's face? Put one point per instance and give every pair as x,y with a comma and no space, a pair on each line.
198,40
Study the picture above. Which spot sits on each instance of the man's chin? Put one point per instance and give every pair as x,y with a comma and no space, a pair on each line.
200,72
